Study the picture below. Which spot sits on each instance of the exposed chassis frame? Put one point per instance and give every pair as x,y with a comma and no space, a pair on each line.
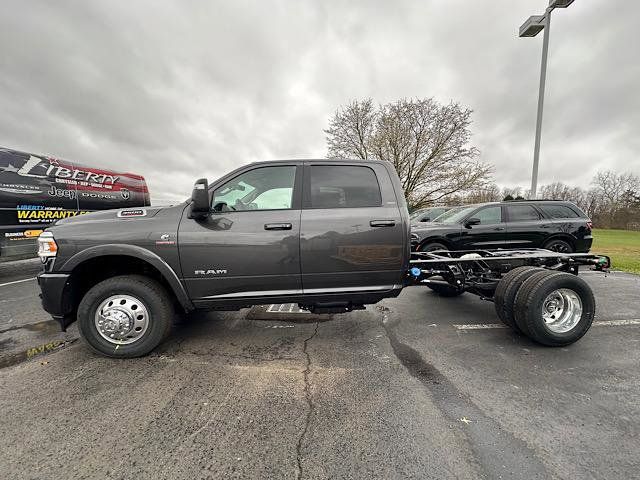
479,271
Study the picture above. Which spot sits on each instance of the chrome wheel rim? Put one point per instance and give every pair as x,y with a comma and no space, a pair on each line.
562,310
121,319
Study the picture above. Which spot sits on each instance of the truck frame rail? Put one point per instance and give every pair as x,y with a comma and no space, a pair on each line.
536,292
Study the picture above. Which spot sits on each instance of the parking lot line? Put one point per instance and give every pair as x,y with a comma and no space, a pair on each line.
614,323
601,323
17,281
480,326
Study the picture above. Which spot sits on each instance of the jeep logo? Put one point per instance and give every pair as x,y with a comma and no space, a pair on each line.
211,272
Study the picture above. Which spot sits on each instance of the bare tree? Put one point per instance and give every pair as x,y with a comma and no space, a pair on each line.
509,193
351,129
556,191
427,143
613,187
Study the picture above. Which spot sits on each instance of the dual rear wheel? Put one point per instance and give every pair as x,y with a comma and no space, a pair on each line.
552,308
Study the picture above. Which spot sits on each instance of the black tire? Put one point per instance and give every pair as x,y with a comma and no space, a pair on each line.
152,297
432,246
523,292
530,301
445,290
505,294
558,245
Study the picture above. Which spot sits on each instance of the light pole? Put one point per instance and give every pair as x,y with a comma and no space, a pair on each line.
530,28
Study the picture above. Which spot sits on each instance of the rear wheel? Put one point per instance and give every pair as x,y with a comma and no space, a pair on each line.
555,309
505,294
558,245
125,316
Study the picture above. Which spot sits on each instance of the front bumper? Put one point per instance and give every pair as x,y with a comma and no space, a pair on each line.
55,296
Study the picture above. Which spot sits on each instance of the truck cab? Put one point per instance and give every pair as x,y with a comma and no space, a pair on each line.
331,235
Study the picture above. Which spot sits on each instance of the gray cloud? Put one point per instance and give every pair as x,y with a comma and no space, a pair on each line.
177,90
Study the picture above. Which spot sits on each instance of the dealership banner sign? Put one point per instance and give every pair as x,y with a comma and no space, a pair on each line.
36,189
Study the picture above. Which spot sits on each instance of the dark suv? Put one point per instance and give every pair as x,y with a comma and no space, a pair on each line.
555,225
427,214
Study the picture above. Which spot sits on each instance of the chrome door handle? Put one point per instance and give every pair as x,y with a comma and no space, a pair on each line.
277,226
499,229
382,223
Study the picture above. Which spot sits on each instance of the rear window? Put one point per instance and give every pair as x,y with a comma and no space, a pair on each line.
559,211
522,213
343,186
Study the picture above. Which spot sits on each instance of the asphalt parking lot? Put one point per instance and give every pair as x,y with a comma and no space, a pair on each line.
415,387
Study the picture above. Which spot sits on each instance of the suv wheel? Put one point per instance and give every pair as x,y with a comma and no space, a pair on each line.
557,245
432,247
125,316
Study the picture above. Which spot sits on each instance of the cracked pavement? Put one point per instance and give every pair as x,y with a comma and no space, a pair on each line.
394,391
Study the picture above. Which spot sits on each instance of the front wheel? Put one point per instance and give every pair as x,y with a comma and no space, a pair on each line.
125,316
432,247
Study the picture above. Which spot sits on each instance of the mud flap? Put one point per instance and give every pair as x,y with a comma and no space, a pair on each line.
65,321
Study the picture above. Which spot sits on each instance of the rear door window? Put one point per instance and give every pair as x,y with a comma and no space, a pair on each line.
342,186
522,213
558,211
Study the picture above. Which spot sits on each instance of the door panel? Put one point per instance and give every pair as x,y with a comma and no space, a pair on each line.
348,248
249,252
525,228
232,254
489,234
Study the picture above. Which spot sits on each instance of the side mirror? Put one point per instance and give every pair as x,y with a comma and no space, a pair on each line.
200,206
426,219
472,221
221,207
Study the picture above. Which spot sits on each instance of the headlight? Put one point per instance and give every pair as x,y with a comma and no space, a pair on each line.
47,246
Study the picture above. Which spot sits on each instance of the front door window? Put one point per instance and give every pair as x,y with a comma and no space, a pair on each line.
266,188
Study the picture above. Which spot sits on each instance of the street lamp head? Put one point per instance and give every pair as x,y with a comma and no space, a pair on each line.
532,26
559,3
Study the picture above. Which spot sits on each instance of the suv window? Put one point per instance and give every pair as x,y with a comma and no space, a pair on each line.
266,188
343,186
489,215
558,211
522,213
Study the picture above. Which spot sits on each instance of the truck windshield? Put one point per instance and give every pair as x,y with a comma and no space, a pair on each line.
455,215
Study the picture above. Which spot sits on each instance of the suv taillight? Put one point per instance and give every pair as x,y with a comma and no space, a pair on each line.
47,246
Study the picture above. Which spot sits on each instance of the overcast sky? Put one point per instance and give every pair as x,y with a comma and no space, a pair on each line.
176,90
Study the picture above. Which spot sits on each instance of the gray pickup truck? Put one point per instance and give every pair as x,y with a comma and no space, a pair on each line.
330,235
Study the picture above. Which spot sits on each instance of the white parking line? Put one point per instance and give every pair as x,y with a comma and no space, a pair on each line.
602,323
480,326
615,323
17,281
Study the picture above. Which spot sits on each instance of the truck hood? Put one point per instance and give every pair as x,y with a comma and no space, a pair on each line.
111,215
428,229
431,226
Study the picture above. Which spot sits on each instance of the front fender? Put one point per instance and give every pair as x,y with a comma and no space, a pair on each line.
140,253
